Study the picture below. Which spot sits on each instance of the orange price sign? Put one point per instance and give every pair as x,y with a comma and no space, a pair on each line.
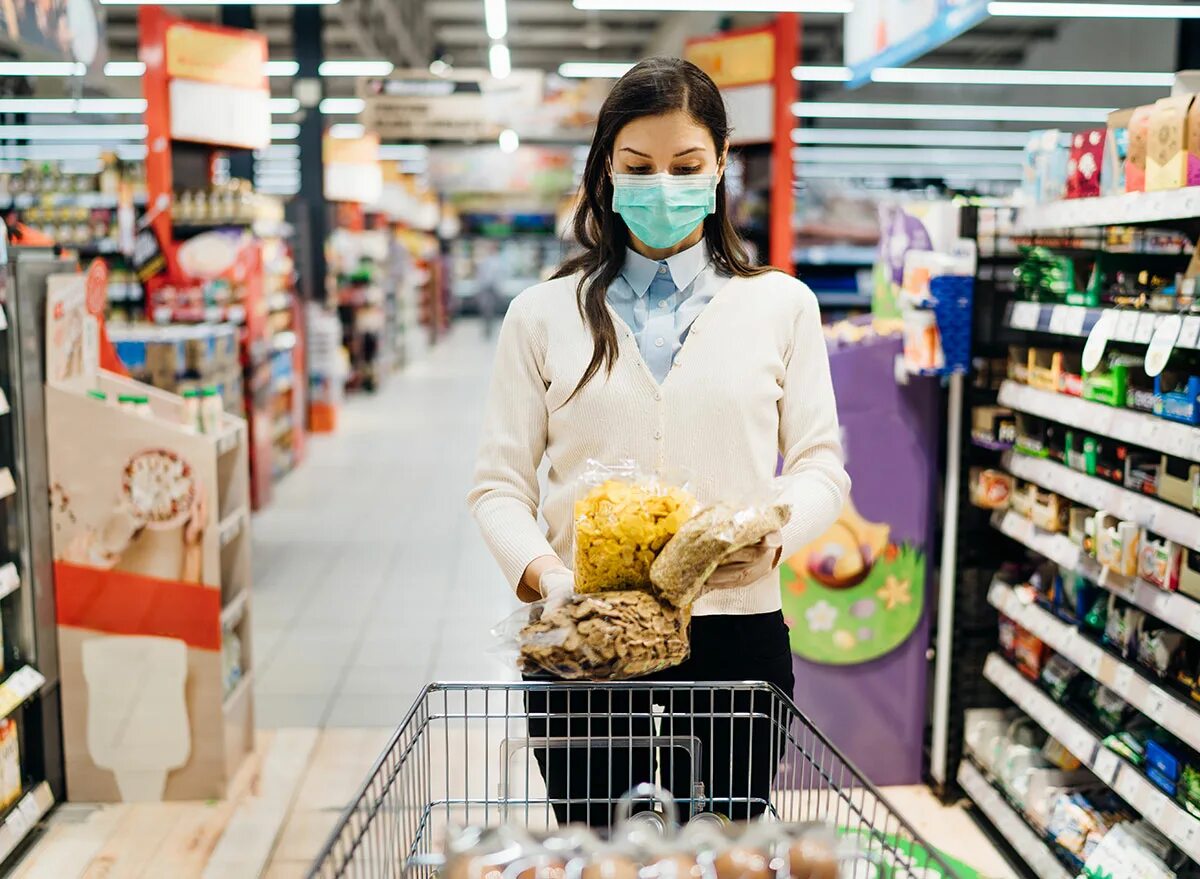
96,286
736,59
216,55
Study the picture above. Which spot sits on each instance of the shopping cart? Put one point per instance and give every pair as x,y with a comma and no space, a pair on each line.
464,755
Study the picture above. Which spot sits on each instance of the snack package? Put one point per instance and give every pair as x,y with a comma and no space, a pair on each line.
682,569
623,519
604,636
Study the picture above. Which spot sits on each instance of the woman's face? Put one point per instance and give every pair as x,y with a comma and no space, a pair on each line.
670,142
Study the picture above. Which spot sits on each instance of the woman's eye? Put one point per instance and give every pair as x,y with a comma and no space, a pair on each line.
640,169
690,169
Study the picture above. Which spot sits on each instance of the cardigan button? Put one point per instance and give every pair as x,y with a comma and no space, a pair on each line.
658,434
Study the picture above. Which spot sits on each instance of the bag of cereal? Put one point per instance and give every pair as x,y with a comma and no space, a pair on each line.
623,519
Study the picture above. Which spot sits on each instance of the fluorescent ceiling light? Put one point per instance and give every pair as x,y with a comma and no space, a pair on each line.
817,73
839,155
970,112
347,130
42,68
285,131
811,7
355,68
508,140
594,69
342,106
892,137
284,106
1094,10
495,18
279,151
961,76
403,152
115,106
72,132
931,171
499,61
124,68
282,68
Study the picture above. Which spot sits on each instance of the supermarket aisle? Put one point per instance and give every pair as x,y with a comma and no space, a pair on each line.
370,577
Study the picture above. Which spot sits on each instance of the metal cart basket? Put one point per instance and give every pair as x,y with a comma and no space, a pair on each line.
469,754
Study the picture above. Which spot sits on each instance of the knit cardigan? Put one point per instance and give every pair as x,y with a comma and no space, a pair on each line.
750,382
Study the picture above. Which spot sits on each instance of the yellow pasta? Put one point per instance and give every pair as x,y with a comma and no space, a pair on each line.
620,527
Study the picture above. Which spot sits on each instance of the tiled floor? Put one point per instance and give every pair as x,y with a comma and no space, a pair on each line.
370,581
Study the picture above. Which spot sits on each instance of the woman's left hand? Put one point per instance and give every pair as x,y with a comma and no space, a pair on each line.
748,564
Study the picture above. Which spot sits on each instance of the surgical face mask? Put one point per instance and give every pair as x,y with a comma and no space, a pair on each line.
663,209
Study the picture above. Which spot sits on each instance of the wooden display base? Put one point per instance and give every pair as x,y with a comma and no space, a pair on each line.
152,577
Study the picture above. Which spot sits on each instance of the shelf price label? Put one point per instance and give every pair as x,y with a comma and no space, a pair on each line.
1103,330
1189,332
1145,327
1025,315
1106,766
1157,704
1127,324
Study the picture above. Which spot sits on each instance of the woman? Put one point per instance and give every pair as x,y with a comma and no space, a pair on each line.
660,343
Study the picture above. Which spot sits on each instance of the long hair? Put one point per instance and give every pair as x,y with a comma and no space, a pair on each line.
651,88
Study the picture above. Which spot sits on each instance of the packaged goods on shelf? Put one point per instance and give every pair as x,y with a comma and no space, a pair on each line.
1173,150
181,357
10,762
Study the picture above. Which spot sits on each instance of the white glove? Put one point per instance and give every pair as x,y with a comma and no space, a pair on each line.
557,585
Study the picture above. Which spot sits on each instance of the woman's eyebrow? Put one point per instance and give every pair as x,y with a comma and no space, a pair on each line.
635,152
694,149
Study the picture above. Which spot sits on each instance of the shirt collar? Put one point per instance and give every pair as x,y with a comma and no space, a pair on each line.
685,267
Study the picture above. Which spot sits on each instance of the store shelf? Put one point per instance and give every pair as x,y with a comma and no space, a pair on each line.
842,299
1130,209
30,809
1156,807
836,255
90,200
1010,824
1171,522
1077,321
1179,610
231,526
18,687
990,444
10,580
232,613
1140,428
1172,713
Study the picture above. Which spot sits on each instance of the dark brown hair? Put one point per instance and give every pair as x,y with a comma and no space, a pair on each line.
650,88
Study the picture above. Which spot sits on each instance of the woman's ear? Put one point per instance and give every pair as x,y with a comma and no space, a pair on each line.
722,163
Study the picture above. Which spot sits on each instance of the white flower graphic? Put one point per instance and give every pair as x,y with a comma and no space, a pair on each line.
821,616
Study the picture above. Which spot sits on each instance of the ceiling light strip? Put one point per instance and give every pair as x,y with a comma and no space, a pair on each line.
909,137
963,76
1005,8
499,61
495,18
962,112
72,132
908,156
832,171
594,69
809,7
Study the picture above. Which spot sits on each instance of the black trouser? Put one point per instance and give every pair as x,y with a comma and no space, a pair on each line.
738,756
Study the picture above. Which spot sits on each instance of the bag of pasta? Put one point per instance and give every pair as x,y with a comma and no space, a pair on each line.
708,539
623,519
604,636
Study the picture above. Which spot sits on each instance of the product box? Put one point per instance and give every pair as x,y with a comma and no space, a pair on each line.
1173,150
1135,160
1177,396
1116,543
1045,165
1116,151
10,763
1159,561
1083,166
1189,574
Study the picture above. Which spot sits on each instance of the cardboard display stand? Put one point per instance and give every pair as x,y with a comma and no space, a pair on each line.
152,577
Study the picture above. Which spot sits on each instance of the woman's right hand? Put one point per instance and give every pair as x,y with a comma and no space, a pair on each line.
557,585
531,587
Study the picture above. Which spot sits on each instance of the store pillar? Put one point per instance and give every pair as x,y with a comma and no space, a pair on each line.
313,222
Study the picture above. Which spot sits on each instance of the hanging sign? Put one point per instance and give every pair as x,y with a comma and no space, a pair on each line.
352,169
890,33
742,64
463,105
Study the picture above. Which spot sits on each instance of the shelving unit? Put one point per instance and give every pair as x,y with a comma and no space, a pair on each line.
1172,522
1130,209
1175,714
1171,819
1127,425
1078,321
1010,824
1181,611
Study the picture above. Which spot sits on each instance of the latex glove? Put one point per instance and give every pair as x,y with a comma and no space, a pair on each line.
749,564
557,585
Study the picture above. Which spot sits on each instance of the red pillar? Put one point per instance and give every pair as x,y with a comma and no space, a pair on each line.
787,55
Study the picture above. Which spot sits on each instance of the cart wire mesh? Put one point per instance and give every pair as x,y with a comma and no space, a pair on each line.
473,754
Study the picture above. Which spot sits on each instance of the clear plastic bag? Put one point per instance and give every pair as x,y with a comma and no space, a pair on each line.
623,519
608,636
680,572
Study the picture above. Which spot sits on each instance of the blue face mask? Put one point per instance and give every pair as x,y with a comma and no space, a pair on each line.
663,209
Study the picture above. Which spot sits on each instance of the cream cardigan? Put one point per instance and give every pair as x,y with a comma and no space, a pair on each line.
751,381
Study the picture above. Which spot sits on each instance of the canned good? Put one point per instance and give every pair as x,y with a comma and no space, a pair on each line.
649,821
710,819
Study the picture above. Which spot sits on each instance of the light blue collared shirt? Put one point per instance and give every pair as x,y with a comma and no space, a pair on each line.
659,300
